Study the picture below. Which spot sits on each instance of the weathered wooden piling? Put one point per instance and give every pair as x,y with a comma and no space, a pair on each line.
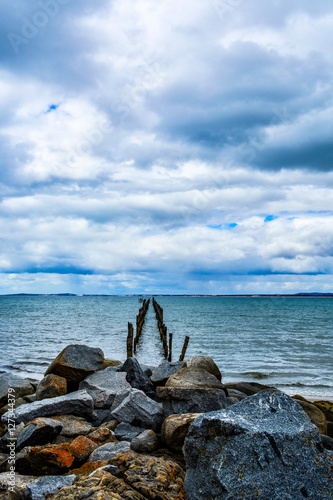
140,319
186,341
130,341
170,348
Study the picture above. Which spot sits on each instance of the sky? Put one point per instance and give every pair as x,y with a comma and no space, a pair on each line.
177,147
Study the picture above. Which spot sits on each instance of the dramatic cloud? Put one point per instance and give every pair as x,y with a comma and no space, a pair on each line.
171,147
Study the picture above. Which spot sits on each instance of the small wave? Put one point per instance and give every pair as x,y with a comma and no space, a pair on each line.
308,384
257,375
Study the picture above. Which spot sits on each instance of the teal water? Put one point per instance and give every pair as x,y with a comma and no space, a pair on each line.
285,342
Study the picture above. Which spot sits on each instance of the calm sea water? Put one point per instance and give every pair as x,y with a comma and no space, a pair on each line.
285,342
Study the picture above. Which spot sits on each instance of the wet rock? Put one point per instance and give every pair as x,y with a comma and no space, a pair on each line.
48,485
193,378
139,409
45,460
146,442
177,401
81,448
38,432
175,428
20,387
164,371
104,385
102,435
204,363
265,447
127,432
248,388
108,450
315,414
76,362
73,426
78,403
51,386
136,377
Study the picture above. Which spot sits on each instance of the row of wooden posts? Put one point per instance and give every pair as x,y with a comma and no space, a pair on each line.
140,319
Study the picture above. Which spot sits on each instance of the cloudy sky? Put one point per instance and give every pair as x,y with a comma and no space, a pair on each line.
166,147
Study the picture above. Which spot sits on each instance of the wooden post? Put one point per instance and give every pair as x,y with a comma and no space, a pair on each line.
182,356
170,348
130,341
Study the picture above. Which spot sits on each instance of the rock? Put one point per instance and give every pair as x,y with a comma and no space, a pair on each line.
3,462
327,442
76,362
139,409
316,416
174,430
120,398
193,378
78,403
89,467
9,437
30,399
17,482
81,448
51,386
38,432
45,460
326,407
143,477
146,442
265,447
111,424
136,377
102,435
19,386
190,400
248,388
127,432
110,362
233,393
73,426
48,485
164,371
103,415
148,369
108,450
204,363
329,428
104,385
231,401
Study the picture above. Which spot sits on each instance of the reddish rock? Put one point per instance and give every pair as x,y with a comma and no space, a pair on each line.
89,467
48,460
81,448
51,386
102,435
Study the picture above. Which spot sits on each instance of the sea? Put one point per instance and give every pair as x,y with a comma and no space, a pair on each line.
285,342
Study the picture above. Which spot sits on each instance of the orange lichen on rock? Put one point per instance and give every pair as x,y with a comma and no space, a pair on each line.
81,447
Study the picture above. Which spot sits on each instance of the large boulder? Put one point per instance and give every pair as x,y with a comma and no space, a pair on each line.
39,431
51,386
48,485
76,362
78,403
265,447
146,442
204,363
19,387
139,409
104,385
164,371
175,400
136,377
193,378
175,428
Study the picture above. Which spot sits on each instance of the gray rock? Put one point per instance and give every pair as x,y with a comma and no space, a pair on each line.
73,426
20,387
148,369
231,401
127,432
78,403
263,447
146,442
18,482
164,371
51,386
102,416
204,363
30,399
136,377
327,442
121,395
40,431
247,388
104,385
76,362
177,401
9,437
48,485
108,451
139,409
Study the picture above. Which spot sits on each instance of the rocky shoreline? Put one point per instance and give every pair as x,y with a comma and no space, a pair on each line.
94,428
